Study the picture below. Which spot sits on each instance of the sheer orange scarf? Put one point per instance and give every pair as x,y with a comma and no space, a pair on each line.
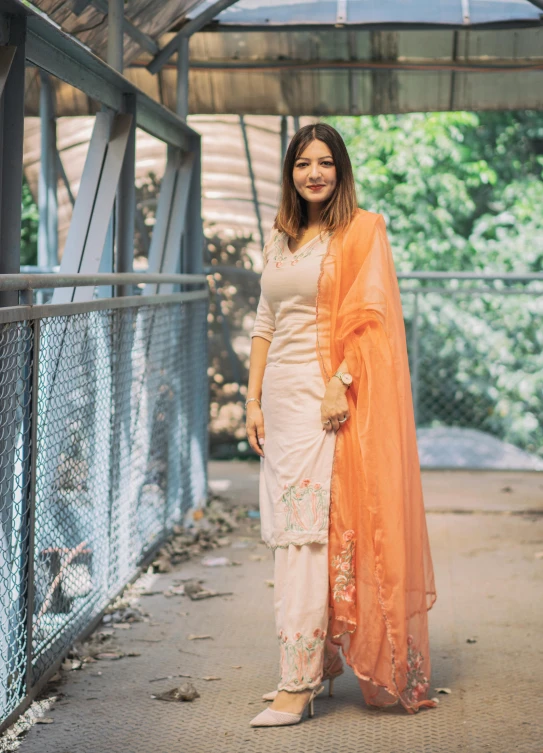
381,574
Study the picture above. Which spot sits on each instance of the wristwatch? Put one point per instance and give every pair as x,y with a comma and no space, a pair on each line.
344,378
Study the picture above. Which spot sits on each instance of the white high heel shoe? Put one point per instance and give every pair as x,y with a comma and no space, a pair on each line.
271,718
272,695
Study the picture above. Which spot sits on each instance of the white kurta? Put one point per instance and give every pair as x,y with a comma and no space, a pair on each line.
296,470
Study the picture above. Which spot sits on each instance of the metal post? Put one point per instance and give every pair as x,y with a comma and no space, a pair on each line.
115,19
47,187
296,121
11,159
126,201
415,357
29,514
284,138
193,261
252,179
183,78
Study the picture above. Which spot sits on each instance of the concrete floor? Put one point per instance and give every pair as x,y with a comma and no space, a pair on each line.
486,531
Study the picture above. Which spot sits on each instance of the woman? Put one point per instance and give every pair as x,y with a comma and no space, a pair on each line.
329,411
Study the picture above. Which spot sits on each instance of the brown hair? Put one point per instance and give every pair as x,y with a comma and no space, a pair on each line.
342,205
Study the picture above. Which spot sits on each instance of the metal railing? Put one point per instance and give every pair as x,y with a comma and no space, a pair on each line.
475,346
103,448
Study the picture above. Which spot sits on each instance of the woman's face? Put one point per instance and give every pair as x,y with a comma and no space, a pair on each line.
314,173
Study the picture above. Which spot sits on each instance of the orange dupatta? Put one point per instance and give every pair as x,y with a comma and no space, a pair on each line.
381,573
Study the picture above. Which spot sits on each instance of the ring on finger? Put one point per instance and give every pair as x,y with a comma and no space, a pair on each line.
342,420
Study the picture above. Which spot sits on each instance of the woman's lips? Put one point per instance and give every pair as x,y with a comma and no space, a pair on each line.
315,188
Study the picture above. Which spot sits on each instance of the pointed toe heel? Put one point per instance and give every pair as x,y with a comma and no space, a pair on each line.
271,718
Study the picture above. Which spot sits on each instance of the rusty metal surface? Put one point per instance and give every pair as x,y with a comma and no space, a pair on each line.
487,576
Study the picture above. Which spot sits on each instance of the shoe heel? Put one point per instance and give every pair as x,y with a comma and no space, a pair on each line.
331,687
310,709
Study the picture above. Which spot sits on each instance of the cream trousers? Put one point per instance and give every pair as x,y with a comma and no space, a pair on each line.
301,594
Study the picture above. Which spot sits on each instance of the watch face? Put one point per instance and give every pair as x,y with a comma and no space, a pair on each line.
346,379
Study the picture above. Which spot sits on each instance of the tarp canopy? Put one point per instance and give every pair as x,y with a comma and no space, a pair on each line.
317,57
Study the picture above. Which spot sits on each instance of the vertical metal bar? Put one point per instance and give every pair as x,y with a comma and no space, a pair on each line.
115,26
47,186
31,497
183,78
296,122
62,174
11,159
252,179
126,201
415,356
6,58
193,258
284,138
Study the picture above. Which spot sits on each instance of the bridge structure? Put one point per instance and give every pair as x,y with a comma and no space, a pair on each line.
103,381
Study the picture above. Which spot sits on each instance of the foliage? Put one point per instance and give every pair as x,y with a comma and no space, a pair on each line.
29,227
463,192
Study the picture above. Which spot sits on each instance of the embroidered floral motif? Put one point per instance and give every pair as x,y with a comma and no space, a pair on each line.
306,507
301,657
344,588
281,255
417,682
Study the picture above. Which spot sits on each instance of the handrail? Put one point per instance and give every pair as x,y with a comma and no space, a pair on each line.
485,276
40,281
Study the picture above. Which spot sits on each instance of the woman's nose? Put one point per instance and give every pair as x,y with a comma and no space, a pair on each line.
315,171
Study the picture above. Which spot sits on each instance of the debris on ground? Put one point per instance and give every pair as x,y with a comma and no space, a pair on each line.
447,691
192,637
269,583
44,720
168,677
196,591
185,692
471,640
209,678
11,737
216,562
538,555
206,531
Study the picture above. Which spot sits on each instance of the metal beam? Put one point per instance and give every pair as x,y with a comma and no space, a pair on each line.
252,179
62,175
115,25
188,29
48,178
11,157
126,200
64,57
284,138
93,207
146,42
182,100
6,58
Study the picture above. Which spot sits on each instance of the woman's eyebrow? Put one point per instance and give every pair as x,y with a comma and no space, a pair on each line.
307,159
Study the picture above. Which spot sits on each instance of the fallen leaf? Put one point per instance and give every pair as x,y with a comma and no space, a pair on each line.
193,637
211,677
448,691
269,583
236,666
122,626
471,640
506,489
168,677
216,562
44,720
133,653
109,656
185,692
257,557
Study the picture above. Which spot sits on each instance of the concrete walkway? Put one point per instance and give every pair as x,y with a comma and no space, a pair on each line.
486,531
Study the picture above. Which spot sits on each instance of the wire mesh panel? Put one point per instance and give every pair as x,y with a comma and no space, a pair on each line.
476,362
16,348
121,409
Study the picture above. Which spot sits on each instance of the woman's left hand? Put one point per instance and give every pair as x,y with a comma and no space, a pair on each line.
334,406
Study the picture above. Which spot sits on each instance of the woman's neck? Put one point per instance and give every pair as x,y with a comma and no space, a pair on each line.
314,212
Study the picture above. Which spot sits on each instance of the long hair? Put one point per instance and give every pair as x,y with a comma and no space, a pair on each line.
342,204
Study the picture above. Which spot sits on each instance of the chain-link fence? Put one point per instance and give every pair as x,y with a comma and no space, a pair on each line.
476,359
103,447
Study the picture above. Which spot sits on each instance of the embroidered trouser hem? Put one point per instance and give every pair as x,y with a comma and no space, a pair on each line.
301,596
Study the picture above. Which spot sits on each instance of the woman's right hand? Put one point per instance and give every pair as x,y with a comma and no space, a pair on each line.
255,427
